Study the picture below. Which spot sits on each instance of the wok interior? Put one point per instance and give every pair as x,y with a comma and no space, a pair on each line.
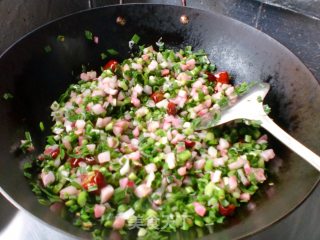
36,78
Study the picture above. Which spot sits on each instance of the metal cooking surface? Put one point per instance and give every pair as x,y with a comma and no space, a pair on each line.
308,7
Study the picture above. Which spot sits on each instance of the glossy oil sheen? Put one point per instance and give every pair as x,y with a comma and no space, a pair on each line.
36,78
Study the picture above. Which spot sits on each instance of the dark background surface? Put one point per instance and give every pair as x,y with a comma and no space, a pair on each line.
294,23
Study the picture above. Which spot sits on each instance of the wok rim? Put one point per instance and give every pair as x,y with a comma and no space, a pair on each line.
219,15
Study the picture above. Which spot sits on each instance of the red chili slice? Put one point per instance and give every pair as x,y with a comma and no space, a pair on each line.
172,108
90,160
189,144
74,162
93,179
55,153
222,77
157,96
211,77
41,157
111,64
227,211
130,183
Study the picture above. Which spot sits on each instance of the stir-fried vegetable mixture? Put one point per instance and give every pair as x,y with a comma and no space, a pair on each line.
125,153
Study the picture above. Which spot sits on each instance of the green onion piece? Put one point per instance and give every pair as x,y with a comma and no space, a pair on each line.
27,165
208,165
92,188
209,137
142,232
109,126
219,193
60,38
188,131
266,108
88,35
195,122
41,126
184,156
223,102
103,56
151,213
189,189
112,52
123,85
243,87
7,96
135,38
47,49
26,145
83,68
247,138
82,198
119,195
209,189
198,221
132,176
44,202
62,153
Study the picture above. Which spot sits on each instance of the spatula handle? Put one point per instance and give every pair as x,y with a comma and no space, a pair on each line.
290,142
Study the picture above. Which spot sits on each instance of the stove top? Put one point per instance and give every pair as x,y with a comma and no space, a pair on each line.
309,8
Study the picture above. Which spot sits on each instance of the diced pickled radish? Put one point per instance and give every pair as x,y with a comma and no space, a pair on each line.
267,154
47,178
118,223
216,176
98,210
238,163
171,160
182,171
199,209
104,157
106,193
68,191
142,190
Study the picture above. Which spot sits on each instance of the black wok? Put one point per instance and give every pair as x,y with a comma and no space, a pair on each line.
36,78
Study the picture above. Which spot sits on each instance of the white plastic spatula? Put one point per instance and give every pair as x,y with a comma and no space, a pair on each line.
249,106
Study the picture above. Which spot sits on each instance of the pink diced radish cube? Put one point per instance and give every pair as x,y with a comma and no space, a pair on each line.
191,64
182,171
136,132
104,157
99,210
199,164
151,167
142,190
68,191
165,72
259,174
216,176
47,178
199,209
267,154
106,193
118,223
245,197
98,109
233,183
